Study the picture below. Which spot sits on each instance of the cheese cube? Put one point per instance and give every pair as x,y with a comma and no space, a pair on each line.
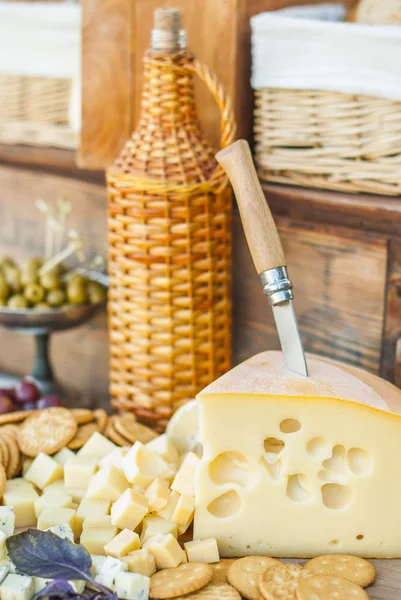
63,455
141,466
153,524
107,484
129,510
203,551
56,485
93,508
26,463
17,587
4,571
184,510
184,481
7,520
140,561
158,494
78,585
58,516
52,499
114,458
126,541
166,551
96,538
109,570
163,446
77,494
167,511
132,586
21,495
43,470
79,470
101,521
63,531
97,564
97,445
3,547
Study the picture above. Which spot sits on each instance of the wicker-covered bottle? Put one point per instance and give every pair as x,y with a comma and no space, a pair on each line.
169,240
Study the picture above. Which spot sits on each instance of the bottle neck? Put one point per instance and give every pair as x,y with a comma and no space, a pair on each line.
168,40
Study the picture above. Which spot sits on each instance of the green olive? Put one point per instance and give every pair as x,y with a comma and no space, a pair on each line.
42,306
4,289
6,261
17,301
29,277
34,293
31,264
55,298
96,292
76,292
50,281
13,278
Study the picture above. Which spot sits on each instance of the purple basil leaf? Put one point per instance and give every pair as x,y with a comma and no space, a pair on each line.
44,554
56,588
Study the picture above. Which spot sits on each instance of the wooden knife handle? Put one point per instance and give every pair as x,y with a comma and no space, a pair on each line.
259,226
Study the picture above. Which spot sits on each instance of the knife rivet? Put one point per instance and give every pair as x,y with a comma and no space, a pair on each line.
276,285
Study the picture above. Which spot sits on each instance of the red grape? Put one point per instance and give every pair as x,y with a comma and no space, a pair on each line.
30,406
6,405
26,391
48,401
8,393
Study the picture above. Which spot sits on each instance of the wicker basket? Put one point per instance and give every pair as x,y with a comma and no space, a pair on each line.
328,140
170,248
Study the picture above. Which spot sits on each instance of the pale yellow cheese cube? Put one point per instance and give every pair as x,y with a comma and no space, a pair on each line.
153,524
26,463
114,458
53,499
43,470
93,522
63,455
126,541
166,551
77,494
184,481
58,516
184,526
92,508
96,538
141,466
129,510
167,511
97,445
141,561
158,494
56,485
163,446
107,484
184,510
79,470
204,551
21,496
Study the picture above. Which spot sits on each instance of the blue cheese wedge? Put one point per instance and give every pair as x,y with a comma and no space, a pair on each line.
63,531
4,571
132,586
7,520
109,570
17,587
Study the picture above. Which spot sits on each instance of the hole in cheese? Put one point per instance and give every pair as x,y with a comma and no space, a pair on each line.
298,488
359,461
290,426
334,543
273,447
275,469
336,496
318,448
226,505
338,462
229,467
360,537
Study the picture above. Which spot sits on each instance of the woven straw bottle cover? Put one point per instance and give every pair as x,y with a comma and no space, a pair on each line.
169,240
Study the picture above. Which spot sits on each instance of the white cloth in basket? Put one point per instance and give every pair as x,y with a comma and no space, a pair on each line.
310,48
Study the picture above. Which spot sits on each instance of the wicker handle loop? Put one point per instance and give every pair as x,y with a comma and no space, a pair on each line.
223,101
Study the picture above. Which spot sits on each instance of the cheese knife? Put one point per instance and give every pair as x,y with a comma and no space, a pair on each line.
266,249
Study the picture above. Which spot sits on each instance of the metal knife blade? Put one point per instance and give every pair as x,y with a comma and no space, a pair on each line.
290,338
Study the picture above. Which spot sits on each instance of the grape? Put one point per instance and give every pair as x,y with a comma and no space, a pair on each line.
30,406
48,401
6,405
8,393
26,391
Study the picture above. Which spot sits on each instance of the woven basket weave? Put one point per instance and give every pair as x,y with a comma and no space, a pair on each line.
328,140
169,248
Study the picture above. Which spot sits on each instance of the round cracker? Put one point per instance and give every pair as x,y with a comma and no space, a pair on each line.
84,432
47,431
5,454
187,578
113,435
82,415
10,429
101,418
329,587
280,582
222,591
220,570
353,568
3,480
16,417
245,573
128,427
14,455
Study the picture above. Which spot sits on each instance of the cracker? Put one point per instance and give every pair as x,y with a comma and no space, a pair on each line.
3,480
5,454
128,427
187,578
101,418
47,431
14,455
84,432
354,569
329,587
11,429
280,582
82,415
113,435
222,591
245,573
220,570
16,417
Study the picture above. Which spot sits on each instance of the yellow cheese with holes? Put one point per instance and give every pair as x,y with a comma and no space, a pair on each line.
129,510
43,471
166,551
79,470
126,541
204,551
297,466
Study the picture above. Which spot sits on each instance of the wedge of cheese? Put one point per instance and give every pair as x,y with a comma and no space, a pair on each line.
299,467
